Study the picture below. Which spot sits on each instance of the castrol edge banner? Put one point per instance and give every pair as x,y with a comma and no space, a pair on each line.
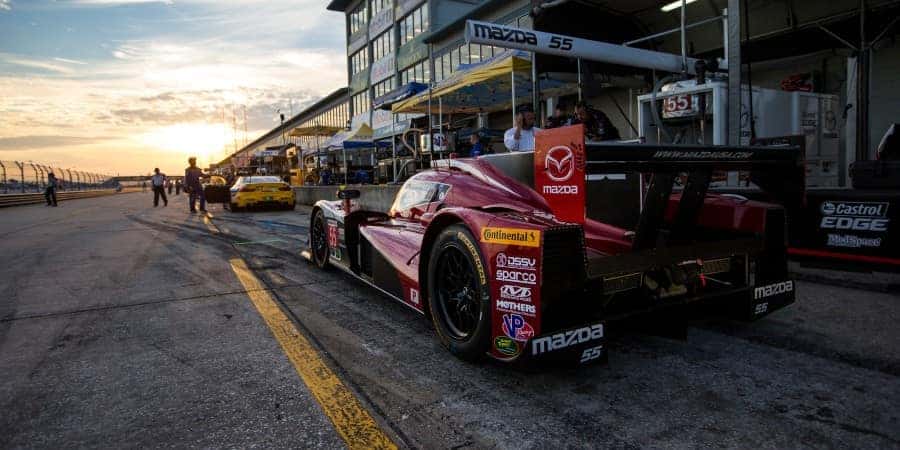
559,171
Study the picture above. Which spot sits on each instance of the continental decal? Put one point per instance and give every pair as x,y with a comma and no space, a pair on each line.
511,236
478,266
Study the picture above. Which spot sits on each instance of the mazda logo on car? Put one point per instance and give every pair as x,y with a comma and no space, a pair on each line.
560,163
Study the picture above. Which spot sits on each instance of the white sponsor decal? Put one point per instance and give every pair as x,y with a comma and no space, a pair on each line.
560,189
559,163
565,339
520,293
510,306
843,240
855,209
853,223
701,155
414,296
515,262
773,289
590,354
516,276
856,216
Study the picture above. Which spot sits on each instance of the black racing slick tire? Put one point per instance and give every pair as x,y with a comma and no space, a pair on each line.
459,294
233,207
318,240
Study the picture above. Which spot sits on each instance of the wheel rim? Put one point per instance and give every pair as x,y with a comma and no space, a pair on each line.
457,293
319,244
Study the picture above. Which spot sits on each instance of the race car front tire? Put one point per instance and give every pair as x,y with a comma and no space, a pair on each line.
318,240
459,294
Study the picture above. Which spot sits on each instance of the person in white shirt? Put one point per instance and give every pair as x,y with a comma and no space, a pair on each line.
158,181
520,138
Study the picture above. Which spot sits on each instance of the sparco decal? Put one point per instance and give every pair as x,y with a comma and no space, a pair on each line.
478,266
510,306
511,236
670,154
504,34
516,327
566,339
506,346
773,289
520,293
515,262
856,216
516,277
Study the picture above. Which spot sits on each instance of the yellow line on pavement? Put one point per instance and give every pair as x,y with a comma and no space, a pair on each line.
350,419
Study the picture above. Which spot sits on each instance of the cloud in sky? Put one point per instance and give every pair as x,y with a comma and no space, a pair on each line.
158,80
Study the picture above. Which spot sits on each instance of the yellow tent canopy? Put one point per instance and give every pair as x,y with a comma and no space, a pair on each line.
482,87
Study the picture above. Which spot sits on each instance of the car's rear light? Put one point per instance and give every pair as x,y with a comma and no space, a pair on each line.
284,188
248,189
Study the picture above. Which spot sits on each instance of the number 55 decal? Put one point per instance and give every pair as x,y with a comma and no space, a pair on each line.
592,353
560,43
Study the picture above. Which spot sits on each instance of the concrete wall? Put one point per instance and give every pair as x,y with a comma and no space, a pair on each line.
373,197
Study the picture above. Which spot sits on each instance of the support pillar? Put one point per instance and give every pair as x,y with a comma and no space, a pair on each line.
733,31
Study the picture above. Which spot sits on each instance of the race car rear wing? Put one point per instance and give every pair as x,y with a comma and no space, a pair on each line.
562,161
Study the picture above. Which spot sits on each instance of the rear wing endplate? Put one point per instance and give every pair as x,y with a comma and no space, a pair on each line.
563,160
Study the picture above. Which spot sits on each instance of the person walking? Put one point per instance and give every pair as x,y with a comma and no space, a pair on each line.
50,191
192,185
158,182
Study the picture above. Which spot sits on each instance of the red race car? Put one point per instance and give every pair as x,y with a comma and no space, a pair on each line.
510,257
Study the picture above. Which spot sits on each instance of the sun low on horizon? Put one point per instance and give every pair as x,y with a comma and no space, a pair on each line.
123,86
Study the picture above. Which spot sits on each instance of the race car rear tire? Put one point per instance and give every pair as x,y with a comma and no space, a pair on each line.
233,207
318,240
459,294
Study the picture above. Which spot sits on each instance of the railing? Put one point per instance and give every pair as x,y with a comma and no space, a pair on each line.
24,177
33,198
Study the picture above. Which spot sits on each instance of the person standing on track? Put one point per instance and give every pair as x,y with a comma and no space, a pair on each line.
192,185
158,181
50,192
177,187
169,186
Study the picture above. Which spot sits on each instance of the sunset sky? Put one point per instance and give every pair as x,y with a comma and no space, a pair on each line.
122,86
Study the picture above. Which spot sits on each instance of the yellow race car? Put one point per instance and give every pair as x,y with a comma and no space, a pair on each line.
260,191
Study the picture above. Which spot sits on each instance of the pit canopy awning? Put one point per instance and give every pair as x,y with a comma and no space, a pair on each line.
358,138
401,93
482,87
315,130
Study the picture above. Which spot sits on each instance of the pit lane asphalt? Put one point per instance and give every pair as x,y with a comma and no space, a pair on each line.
823,373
